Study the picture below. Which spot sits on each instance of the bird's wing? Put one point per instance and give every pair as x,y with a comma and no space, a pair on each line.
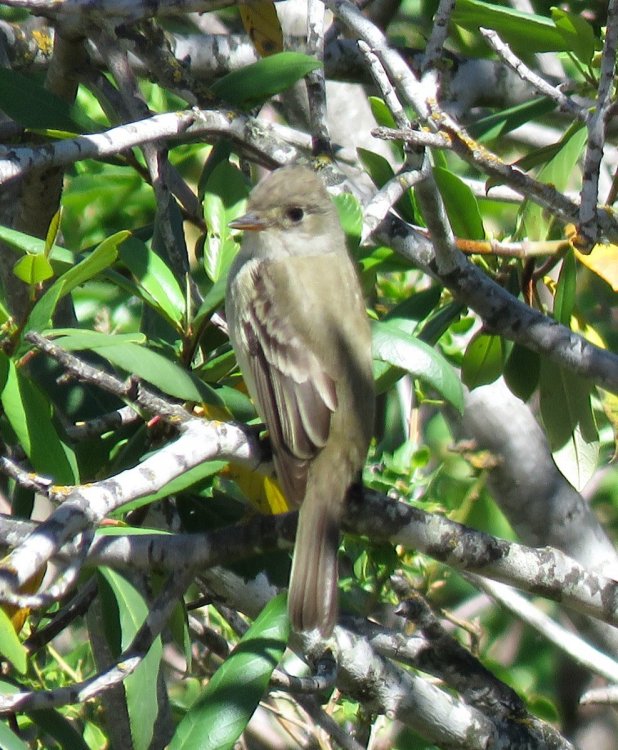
294,394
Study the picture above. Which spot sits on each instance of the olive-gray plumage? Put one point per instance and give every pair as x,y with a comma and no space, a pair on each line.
298,325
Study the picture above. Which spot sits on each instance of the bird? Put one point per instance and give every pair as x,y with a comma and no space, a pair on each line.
299,328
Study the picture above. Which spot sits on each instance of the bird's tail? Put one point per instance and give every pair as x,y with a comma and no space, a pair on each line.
312,597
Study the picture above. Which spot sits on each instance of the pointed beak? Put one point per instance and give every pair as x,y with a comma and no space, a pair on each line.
250,221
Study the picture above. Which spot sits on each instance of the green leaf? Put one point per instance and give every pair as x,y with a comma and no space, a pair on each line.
156,282
98,260
566,410
74,339
10,741
213,299
187,479
392,345
564,301
30,104
220,152
565,404
144,363
578,459
500,123
482,361
526,32
141,686
383,116
578,34
54,724
33,269
381,172
377,166
350,216
52,232
259,81
29,414
225,198
461,206
521,371
11,647
25,243
417,306
557,172
222,712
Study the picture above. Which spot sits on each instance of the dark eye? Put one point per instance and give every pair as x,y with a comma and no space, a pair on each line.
295,214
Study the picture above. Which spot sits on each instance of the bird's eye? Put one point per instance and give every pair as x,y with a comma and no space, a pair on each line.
295,214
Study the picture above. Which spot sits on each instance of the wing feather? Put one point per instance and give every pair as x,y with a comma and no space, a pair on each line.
294,395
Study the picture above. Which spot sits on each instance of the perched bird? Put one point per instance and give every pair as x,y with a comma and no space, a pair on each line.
298,325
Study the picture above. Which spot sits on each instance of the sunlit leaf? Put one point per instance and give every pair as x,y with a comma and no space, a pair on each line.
33,269
154,278
577,459
256,83
392,345
569,421
140,686
578,34
557,172
222,712
11,647
603,261
461,206
526,32
259,17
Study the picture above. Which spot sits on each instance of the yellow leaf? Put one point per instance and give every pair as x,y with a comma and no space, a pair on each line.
213,412
263,492
609,402
259,17
19,615
603,260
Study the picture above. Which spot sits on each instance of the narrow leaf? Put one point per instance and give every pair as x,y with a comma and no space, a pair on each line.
30,104
564,301
29,414
9,740
141,686
153,367
156,281
222,712
11,647
527,32
258,82
392,345
578,34
461,206
558,172
569,422
482,361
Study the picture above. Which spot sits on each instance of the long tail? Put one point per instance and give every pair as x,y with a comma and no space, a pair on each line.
312,597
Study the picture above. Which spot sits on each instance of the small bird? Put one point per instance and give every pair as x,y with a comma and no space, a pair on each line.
298,325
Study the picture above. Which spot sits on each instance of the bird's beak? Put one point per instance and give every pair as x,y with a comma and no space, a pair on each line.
250,221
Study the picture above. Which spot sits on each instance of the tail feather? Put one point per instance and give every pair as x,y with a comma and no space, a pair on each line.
312,597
